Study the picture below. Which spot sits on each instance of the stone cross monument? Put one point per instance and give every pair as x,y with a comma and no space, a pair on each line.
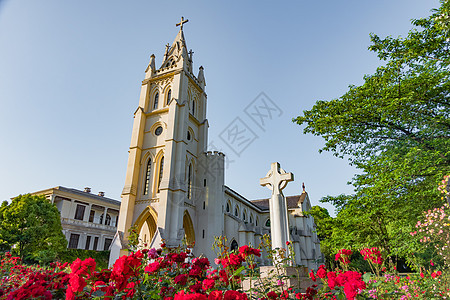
276,180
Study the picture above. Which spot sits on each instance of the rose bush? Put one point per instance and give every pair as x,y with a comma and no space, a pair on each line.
175,274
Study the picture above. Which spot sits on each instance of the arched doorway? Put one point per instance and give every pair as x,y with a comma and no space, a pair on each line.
146,225
189,233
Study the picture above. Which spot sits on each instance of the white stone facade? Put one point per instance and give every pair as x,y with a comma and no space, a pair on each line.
174,188
82,217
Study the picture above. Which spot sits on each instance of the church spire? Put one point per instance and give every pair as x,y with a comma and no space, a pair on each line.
178,49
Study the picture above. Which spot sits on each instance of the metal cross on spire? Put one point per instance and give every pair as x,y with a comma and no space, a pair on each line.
182,22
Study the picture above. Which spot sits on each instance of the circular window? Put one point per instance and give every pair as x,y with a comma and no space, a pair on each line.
158,130
188,135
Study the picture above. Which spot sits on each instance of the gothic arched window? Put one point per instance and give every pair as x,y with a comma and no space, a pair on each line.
251,219
189,183
147,176
169,95
228,207
236,211
161,167
267,223
244,216
234,245
155,102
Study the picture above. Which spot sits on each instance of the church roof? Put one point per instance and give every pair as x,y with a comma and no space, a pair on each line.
292,201
80,193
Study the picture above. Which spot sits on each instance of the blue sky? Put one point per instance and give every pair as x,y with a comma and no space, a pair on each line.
70,74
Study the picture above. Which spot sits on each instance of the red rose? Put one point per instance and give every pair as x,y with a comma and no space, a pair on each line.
195,271
181,279
77,283
234,295
331,280
182,296
215,295
311,275
153,267
321,272
195,288
245,251
272,295
208,284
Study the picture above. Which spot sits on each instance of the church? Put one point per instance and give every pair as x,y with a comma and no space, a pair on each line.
174,187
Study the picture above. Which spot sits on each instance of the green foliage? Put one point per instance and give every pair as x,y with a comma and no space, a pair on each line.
395,128
31,226
101,257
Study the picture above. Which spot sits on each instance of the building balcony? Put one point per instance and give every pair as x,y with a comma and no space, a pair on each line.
74,222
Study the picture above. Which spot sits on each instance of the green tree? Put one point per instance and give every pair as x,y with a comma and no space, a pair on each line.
395,128
31,226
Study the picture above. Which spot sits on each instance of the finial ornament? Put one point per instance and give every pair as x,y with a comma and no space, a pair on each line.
182,22
190,54
303,186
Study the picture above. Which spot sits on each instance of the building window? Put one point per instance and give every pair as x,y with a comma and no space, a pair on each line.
161,168
108,220
228,207
244,216
73,242
257,221
193,107
158,130
147,177
251,219
236,211
267,223
188,135
155,102
234,245
203,233
169,95
91,216
107,244
79,213
95,243
88,242
189,183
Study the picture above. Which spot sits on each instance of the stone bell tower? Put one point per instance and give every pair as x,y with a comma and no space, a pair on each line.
168,139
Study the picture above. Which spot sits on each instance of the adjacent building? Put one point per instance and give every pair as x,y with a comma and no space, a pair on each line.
89,221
